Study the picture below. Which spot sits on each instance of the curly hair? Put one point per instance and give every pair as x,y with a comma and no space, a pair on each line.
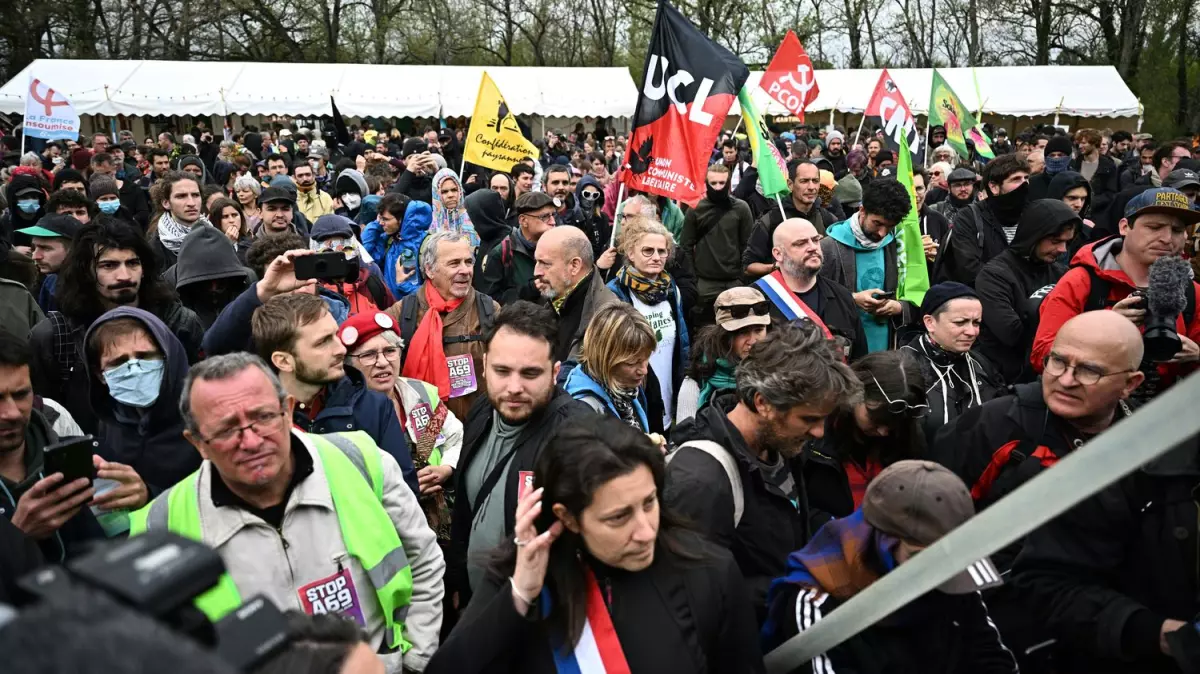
796,365
77,294
887,198
635,227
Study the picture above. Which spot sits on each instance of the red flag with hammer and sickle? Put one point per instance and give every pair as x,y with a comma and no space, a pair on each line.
790,79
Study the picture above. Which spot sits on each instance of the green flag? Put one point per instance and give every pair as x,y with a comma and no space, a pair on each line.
946,109
772,169
983,144
914,274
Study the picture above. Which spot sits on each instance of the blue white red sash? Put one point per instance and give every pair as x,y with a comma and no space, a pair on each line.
792,307
599,650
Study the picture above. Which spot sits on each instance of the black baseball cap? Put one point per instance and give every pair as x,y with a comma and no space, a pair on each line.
276,194
1180,178
58,225
533,201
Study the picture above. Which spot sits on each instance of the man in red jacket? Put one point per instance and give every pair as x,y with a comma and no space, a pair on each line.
1105,274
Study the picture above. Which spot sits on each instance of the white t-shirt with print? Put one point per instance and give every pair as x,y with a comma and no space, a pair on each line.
662,361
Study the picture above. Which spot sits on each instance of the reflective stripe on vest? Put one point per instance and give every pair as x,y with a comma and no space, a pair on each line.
370,537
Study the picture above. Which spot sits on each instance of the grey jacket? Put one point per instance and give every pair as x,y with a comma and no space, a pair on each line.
841,267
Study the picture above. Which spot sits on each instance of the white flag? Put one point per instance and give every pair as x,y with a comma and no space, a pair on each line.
48,113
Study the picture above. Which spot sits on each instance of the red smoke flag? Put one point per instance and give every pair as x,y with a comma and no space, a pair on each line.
791,79
889,111
689,84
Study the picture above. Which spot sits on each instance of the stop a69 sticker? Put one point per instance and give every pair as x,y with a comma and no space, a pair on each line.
335,594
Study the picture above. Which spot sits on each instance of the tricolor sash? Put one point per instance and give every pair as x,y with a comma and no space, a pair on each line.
792,307
599,649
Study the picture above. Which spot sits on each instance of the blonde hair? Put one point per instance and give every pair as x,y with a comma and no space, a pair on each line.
617,334
635,227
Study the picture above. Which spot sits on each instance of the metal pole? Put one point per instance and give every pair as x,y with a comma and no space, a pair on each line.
612,241
860,126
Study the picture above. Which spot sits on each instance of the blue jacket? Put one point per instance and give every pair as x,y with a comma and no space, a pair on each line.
151,440
45,296
683,345
580,386
351,406
386,250
231,331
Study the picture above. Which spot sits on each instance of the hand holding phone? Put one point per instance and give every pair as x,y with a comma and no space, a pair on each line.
889,295
72,458
325,266
49,503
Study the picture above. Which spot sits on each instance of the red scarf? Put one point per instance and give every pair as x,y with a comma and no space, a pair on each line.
427,360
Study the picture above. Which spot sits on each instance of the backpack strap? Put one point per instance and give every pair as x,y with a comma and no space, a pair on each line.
978,227
1098,291
728,464
506,253
408,320
377,291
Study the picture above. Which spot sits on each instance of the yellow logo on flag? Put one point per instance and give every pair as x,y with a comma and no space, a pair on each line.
494,139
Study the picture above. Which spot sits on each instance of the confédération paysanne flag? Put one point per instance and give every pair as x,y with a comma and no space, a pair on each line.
494,140
947,109
914,274
772,170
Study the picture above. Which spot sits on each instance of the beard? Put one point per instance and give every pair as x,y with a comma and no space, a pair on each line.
774,442
316,376
533,403
800,269
123,295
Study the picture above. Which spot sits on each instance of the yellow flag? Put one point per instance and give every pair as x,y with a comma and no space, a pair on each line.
494,140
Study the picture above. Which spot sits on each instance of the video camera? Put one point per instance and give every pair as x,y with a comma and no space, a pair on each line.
159,575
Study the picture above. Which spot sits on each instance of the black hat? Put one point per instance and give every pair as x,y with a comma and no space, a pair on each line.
54,225
1181,178
413,146
533,201
1059,144
276,194
941,293
961,174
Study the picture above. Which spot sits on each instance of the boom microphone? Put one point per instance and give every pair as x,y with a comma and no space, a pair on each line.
1166,298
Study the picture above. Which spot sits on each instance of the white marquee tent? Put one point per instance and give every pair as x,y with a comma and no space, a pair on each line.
1006,91
361,90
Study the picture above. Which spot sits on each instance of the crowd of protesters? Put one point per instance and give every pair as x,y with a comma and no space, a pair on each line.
527,428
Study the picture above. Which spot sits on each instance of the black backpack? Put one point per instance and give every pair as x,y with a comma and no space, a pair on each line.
408,320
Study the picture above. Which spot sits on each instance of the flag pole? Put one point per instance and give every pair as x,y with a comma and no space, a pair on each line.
780,202
612,240
928,154
858,133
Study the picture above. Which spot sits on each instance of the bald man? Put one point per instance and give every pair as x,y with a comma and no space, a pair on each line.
564,273
798,291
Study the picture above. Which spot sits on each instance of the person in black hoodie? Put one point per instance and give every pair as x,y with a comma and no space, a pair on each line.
416,180
20,192
985,229
487,212
1013,284
1075,191
208,275
136,369
731,472
1104,181
715,233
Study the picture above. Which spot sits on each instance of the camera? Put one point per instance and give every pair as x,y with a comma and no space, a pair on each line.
159,575
1166,298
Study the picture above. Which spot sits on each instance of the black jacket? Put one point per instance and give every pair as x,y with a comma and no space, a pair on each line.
935,634
676,617
758,248
716,234
1103,576
1108,221
956,382
208,255
699,490
486,209
19,555
415,187
1105,182
527,449
1011,288
968,256
839,313
507,270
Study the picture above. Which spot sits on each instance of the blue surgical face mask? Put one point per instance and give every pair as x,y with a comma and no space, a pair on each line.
135,382
1056,165
108,207
28,205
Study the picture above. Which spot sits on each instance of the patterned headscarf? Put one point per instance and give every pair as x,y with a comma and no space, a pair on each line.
455,220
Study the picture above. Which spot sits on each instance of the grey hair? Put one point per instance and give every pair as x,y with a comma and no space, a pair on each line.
31,159
796,365
429,247
649,209
247,183
227,145
220,368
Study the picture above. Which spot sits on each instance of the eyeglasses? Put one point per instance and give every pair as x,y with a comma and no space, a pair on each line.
740,311
651,252
261,423
902,406
1056,366
548,217
390,353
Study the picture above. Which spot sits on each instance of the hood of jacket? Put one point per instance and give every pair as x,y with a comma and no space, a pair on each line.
20,182
206,254
339,307
1101,257
175,368
486,210
193,160
1065,182
1040,219
587,179
253,143
842,233
349,179
369,210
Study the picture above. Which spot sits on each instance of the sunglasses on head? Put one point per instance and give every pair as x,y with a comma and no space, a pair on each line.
740,311
901,406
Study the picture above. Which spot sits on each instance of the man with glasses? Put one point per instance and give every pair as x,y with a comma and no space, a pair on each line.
297,336
1089,374
508,267
318,523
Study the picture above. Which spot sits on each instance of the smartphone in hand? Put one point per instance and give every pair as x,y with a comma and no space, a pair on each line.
72,458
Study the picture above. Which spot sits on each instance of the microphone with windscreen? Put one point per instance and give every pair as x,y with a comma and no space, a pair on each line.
1166,298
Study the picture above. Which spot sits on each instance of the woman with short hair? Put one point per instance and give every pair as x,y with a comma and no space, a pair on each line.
612,368
247,189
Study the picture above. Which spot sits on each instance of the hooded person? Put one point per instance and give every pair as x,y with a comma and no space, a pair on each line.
416,182
402,247
26,205
136,368
487,211
1075,191
449,210
208,274
224,173
588,215
1012,285
252,141
363,287
193,160
350,188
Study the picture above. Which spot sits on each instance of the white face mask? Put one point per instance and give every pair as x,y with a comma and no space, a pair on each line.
351,200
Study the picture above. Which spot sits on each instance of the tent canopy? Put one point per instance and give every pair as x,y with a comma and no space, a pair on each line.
1010,91
361,90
